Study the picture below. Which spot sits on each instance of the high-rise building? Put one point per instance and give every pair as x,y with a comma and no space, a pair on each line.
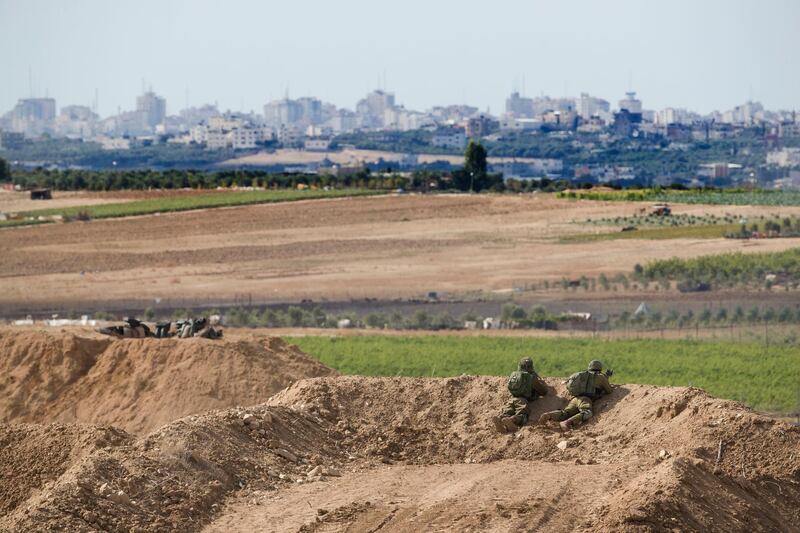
591,106
545,104
152,109
746,113
518,106
283,112
311,113
371,110
36,109
33,116
76,121
630,103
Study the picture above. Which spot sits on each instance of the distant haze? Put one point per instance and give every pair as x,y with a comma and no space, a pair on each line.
703,55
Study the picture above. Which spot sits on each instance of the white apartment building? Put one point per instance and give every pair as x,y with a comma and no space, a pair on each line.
631,103
225,123
787,157
746,113
216,139
452,138
590,106
244,138
317,145
290,135
672,115
113,143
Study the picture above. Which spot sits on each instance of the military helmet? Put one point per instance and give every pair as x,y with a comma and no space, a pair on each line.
526,364
595,365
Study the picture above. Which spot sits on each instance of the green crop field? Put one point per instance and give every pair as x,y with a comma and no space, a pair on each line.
186,203
715,197
764,377
729,268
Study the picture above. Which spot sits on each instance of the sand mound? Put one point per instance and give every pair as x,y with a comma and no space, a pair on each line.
173,479
400,454
33,456
659,445
447,420
139,384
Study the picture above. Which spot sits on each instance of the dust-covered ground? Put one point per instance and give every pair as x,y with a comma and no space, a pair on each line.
351,453
137,385
353,248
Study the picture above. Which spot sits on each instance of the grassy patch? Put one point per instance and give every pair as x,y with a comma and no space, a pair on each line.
186,203
763,377
23,222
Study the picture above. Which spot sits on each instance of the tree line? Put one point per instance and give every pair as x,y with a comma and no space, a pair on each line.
472,177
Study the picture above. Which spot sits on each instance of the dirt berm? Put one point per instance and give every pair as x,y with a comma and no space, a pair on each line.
138,384
412,454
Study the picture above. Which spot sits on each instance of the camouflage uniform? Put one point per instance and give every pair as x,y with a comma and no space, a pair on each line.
579,408
134,332
517,410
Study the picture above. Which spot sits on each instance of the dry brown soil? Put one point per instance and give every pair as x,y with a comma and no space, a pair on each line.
138,384
337,453
383,247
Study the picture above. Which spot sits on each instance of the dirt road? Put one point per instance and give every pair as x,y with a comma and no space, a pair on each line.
383,247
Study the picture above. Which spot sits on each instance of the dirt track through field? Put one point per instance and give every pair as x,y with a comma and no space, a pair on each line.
382,247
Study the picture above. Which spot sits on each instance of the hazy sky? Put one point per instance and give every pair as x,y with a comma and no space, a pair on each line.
700,54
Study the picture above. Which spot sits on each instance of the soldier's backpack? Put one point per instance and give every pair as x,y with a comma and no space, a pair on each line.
582,384
520,384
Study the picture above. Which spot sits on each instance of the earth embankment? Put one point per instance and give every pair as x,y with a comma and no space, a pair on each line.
139,384
354,453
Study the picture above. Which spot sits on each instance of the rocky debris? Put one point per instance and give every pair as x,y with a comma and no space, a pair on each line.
105,491
562,445
286,454
119,497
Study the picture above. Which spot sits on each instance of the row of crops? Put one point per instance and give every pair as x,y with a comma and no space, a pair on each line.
695,196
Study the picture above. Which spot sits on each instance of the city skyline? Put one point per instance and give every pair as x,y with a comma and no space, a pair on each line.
702,58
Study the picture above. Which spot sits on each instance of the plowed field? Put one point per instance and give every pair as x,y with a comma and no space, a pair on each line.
382,247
